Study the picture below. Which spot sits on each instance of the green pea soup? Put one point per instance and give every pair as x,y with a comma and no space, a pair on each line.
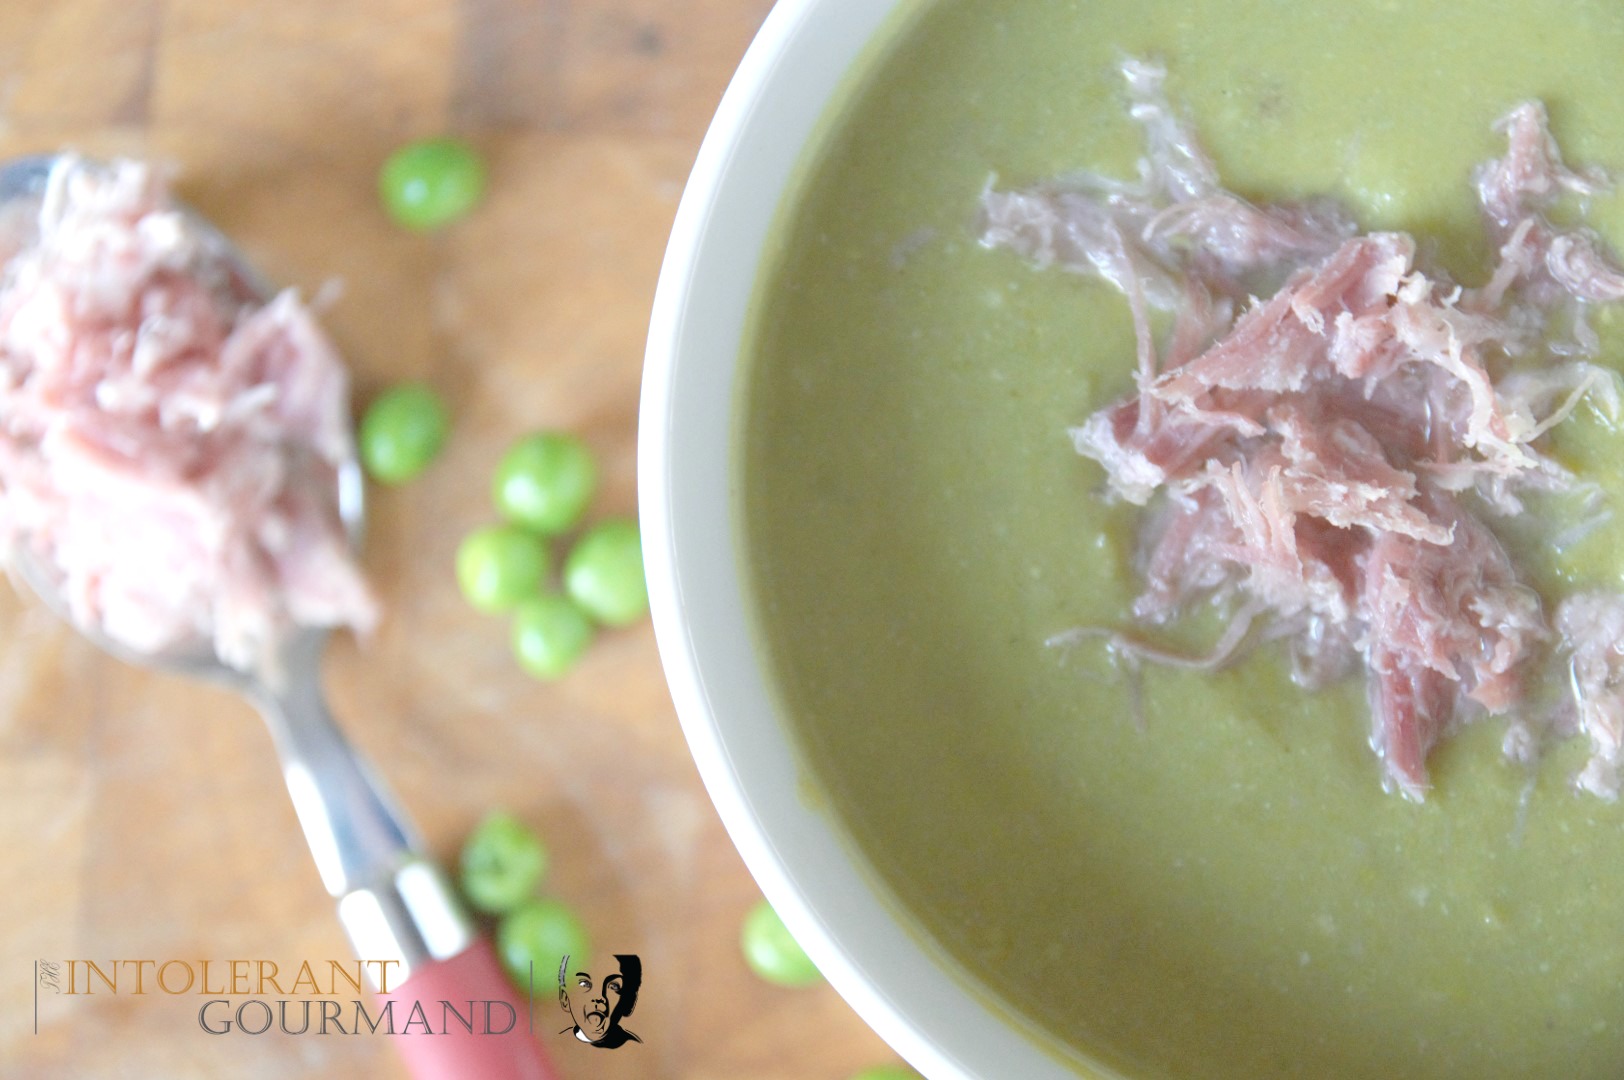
1192,875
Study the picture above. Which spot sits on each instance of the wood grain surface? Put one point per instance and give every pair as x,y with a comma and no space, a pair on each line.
144,817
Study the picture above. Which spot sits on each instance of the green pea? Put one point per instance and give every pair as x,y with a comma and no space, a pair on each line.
540,932
549,635
431,183
502,863
402,432
772,951
545,482
604,573
886,1072
500,565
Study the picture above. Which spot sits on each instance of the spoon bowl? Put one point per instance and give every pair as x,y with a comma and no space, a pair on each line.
399,910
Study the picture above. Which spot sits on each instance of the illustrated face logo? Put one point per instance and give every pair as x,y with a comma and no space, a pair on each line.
597,1001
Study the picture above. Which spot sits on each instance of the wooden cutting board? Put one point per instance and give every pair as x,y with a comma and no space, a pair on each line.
144,817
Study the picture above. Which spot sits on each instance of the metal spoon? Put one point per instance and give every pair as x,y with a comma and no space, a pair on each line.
401,914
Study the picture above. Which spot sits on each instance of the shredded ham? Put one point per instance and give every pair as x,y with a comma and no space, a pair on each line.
1592,629
1314,457
169,443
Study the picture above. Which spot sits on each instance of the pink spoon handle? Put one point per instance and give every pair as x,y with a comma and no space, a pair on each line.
492,1051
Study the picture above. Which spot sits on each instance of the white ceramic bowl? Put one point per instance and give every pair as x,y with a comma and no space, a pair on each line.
687,476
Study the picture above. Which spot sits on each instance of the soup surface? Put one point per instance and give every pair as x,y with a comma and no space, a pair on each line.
1191,875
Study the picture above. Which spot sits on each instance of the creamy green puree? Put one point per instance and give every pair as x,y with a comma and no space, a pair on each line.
1219,887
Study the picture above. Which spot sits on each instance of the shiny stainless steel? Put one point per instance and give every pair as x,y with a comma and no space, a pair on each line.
24,177
394,904
410,919
356,834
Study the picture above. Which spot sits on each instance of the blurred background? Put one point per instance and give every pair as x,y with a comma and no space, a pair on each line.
145,817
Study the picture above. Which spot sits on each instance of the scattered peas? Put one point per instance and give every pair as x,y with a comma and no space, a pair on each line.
542,487
887,1072
539,932
549,635
604,573
545,482
502,862
431,183
772,951
500,565
402,432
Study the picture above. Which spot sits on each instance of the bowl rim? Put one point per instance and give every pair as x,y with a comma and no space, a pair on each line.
908,990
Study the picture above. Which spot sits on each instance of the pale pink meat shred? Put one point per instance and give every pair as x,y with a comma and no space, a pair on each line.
1317,455
169,443
1592,628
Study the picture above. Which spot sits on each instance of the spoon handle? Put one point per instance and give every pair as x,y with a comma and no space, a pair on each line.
450,1007
356,835
490,1037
